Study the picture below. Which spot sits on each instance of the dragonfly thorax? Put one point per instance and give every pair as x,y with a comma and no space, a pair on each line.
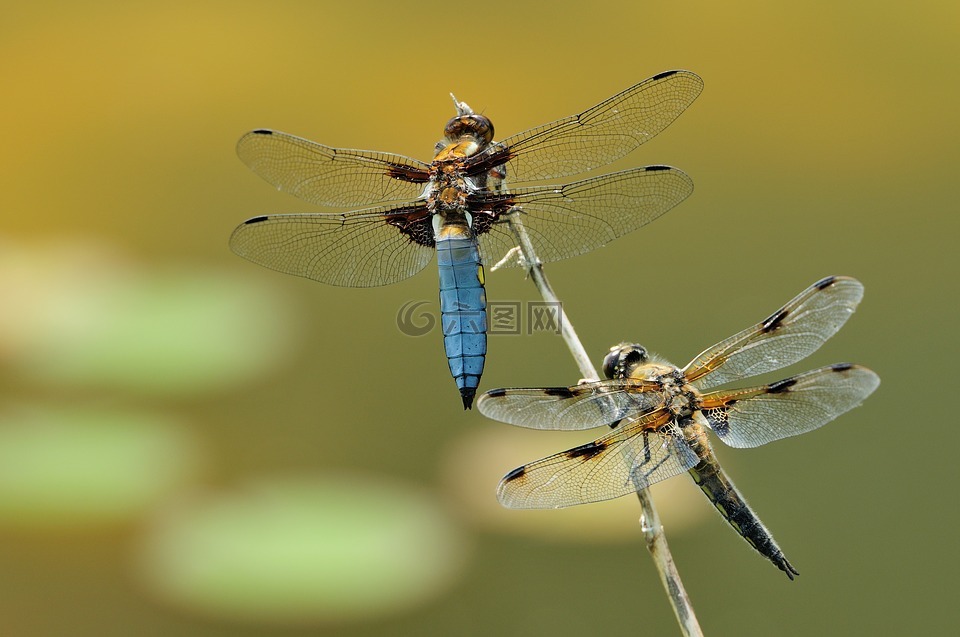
448,189
678,396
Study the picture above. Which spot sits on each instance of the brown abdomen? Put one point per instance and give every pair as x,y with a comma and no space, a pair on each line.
720,490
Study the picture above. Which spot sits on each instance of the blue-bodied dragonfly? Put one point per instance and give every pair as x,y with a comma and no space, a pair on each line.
459,205
661,413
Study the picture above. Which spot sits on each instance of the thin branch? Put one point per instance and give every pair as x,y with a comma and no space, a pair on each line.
649,519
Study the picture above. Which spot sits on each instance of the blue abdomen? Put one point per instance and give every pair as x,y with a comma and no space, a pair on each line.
463,312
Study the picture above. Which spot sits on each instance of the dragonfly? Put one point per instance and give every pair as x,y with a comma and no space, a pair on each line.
660,414
459,206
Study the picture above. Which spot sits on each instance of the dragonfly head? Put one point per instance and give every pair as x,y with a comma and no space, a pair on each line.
623,359
469,125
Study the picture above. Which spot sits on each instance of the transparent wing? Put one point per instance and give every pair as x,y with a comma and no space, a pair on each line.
790,407
356,249
599,135
331,176
566,221
788,335
582,406
630,458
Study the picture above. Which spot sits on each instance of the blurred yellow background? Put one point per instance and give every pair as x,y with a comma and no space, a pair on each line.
192,445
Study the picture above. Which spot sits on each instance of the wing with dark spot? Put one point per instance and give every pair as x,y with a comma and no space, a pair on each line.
790,407
566,221
788,335
366,248
599,135
587,451
583,406
328,176
630,458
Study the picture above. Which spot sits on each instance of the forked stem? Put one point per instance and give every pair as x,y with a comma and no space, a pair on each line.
649,519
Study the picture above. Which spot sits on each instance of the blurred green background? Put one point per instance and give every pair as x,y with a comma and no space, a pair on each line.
192,445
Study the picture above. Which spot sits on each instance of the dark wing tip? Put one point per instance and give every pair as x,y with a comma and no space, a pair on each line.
841,367
497,393
513,475
660,76
689,75
657,167
262,131
825,282
467,394
255,220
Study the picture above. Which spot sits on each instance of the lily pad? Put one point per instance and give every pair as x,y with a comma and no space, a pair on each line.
89,317
303,550
88,467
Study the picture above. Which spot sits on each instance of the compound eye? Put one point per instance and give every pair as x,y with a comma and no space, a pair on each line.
623,359
472,125
610,362
636,355
483,128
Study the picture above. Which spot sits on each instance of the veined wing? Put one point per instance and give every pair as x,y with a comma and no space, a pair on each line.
628,459
565,221
582,406
599,135
329,176
366,248
788,335
789,407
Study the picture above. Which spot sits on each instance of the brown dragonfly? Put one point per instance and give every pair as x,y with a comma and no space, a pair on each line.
660,414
